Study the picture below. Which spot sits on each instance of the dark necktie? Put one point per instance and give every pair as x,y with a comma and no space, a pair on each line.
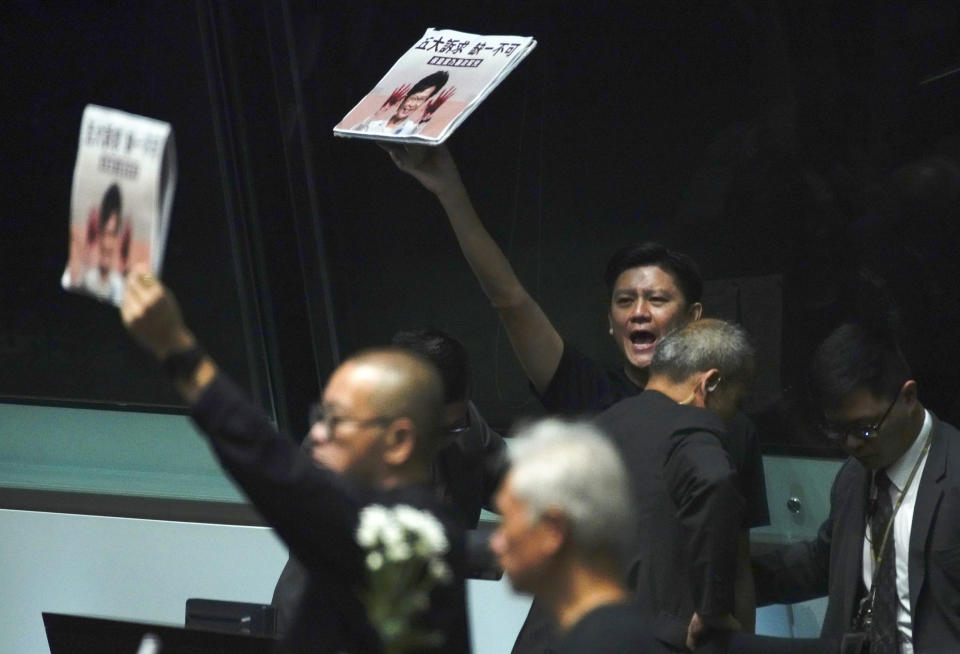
884,637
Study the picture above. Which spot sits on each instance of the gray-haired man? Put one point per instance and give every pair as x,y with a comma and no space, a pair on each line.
566,528
690,569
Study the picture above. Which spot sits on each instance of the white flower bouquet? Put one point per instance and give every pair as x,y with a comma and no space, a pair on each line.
404,550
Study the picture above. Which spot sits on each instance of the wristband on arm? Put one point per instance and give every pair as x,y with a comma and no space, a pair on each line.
180,365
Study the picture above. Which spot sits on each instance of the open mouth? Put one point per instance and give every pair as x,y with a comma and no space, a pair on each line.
642,339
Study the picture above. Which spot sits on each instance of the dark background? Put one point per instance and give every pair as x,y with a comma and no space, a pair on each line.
766,139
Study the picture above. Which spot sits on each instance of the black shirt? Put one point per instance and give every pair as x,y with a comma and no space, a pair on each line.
582,387
610,629
316,513
688,509
467,471
469,467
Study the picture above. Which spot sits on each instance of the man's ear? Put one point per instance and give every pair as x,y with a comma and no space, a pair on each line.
909,392
706,384
695,311
554,532
711,380
400,442
609,324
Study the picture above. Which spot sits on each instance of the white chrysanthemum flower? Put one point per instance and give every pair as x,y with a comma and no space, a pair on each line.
400,541
432,540
373,518
391,534
408,516
374,561
399,551
429,537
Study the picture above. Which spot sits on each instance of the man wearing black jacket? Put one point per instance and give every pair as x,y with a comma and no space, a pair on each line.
690,569
468,466
372,446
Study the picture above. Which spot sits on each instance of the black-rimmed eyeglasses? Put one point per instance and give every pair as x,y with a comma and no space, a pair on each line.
318,414
841,433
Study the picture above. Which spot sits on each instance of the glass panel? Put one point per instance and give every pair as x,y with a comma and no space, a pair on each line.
108,452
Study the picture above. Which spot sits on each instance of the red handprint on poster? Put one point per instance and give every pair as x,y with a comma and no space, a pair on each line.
436,102
396,96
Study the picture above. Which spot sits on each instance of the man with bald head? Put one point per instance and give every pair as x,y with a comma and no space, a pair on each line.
373,438
467,467
382,384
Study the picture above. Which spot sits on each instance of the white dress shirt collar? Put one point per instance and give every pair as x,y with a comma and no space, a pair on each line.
899,470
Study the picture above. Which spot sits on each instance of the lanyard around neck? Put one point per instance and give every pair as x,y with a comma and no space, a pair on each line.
864,615
878,559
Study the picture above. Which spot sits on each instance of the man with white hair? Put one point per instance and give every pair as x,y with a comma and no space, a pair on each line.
566,527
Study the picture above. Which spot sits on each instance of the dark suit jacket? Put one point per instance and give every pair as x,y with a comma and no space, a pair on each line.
316,513
468,470
831,564
689,510
467,473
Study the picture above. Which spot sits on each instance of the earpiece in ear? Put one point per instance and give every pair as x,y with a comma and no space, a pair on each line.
712,386
610,331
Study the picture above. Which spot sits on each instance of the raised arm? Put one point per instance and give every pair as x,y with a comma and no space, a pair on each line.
535,341
152,316
313,509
